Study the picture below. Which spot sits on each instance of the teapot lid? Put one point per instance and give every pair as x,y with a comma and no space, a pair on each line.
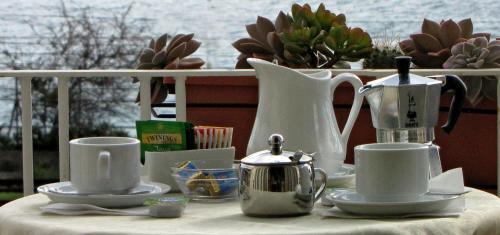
404,77
276,155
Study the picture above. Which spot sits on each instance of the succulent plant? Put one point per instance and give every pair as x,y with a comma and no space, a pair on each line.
321,39
307,30
476,53
382,58
163,53
385,51
304,39
264,42
432,47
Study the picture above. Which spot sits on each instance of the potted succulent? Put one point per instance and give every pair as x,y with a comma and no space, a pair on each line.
168,52
304,39
453,45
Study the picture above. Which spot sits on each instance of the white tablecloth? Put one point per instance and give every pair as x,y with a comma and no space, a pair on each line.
24,217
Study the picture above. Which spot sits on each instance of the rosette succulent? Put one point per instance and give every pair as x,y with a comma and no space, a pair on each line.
264,42
432,47
163,53
304,39
476,53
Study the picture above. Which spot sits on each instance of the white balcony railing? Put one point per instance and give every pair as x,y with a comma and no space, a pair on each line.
144,76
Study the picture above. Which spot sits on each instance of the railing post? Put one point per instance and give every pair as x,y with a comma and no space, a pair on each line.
180,98
63,119
145,103
27,138
498,134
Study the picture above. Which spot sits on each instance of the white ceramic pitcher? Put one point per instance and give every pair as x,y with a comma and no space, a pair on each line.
299,106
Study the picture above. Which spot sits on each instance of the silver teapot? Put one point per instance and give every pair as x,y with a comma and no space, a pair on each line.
275,182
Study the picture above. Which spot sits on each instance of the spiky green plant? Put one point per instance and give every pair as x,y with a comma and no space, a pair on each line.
385,51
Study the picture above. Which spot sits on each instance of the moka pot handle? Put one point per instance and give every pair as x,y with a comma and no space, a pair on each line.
454,83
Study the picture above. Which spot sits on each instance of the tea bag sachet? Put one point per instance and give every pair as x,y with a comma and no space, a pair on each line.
161,136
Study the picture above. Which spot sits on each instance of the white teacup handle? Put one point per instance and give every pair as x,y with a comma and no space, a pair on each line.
356,104
103,165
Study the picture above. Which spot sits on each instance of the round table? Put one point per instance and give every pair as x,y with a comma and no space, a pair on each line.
23,216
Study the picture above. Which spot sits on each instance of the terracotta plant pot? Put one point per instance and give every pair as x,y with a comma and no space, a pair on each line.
232,101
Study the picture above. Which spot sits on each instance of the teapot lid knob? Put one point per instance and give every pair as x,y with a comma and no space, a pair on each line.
276,142
403,65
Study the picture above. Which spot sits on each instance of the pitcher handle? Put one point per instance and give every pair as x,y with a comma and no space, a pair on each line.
324,178
356,105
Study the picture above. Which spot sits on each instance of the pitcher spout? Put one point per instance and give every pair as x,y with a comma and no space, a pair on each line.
267,70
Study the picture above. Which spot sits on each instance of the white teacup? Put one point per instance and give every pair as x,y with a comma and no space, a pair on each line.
104,164
392,171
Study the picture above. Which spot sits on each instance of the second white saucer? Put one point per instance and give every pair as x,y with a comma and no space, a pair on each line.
354,203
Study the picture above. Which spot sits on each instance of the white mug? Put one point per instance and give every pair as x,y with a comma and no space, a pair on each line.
104,164
157,164
392,171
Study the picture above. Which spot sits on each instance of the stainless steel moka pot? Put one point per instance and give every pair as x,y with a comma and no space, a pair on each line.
405,107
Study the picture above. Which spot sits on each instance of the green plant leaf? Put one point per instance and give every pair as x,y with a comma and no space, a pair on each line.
295,10
339,20
295,49
331,42
340,34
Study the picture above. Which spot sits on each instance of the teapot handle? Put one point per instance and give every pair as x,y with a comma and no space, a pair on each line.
454,83
321,189
356,105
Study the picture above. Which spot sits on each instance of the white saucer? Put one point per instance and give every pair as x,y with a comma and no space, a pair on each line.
327,197
342,178
65,193
355,203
